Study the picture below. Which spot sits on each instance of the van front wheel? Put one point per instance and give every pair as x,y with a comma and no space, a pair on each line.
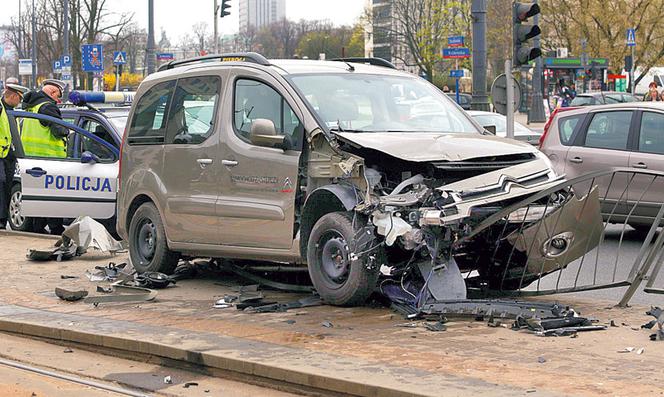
339,278
148,248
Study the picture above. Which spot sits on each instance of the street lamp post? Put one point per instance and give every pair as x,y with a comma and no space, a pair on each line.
34,46
149,53
480,99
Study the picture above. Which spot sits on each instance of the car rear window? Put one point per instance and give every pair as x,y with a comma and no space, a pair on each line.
566,128
583,101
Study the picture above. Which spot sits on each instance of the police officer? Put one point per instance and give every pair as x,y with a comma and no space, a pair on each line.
43,138
11,97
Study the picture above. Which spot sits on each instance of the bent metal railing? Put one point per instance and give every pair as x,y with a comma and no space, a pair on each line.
597,231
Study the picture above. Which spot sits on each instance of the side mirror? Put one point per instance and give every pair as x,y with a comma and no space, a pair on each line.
490,129
89,158
263,133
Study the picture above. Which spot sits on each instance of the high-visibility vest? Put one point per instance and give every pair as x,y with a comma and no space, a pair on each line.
38,140
5,133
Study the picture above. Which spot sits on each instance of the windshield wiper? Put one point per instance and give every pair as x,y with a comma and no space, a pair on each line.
339,129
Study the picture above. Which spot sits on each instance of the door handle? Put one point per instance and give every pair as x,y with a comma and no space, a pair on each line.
576,160
204,162
640,165
36,172
229,163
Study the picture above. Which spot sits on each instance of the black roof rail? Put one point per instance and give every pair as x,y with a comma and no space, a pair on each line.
252,57
370,61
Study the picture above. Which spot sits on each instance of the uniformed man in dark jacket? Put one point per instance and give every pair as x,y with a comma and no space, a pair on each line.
43,138
11,97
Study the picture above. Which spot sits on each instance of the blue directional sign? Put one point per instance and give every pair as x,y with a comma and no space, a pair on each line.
119,57
455,41
456,73
631,38
66,61
92,58
455,53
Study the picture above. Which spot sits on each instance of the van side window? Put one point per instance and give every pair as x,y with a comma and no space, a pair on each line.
148,126
256,100
193,109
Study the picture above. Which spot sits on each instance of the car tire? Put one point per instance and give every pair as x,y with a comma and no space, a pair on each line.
16,221
148,248
338,280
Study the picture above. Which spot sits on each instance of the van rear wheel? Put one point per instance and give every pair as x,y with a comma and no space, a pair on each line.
338,278
148,248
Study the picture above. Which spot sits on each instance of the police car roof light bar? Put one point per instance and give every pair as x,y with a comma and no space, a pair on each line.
369,61
85,98
252,57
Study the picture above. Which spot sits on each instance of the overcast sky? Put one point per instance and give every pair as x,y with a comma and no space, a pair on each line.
177,16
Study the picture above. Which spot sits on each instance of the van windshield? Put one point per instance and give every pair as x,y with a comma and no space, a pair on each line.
378,103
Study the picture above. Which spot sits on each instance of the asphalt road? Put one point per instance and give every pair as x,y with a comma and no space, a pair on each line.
610,263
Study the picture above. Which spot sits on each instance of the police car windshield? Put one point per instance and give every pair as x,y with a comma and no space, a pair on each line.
379,103
119,123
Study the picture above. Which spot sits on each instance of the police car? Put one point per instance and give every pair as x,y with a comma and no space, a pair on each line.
83,183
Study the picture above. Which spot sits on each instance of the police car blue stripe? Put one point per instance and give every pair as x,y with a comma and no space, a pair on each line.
68,199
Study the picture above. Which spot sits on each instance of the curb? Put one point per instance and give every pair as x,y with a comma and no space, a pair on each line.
311,378
28,234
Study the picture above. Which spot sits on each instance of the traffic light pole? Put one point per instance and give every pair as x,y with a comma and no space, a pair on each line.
631,72
216,28
509,86
536,113
480,99
149,53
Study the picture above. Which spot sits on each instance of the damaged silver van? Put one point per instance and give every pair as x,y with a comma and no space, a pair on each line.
354,168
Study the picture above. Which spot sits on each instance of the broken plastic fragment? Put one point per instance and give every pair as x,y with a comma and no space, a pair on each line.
390,226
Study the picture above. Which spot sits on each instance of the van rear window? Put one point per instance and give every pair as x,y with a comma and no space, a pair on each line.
148,125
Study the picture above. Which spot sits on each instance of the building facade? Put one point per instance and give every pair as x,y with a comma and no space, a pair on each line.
379,41
255,14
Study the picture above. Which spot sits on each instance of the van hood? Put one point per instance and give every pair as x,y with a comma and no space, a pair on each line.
421,146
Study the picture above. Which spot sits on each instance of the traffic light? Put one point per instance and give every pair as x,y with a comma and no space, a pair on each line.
224,7
523,53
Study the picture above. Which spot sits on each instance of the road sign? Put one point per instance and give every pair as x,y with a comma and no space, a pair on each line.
631,38
499,94
92,58
119,57
66,61
456,53
456,73
165,56
25,66
455,41
57,66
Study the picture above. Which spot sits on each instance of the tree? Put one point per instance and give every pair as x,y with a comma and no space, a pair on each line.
420,28
200,34
603,24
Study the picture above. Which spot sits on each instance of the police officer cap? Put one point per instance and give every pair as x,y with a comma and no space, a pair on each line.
55,82
18,88
11,80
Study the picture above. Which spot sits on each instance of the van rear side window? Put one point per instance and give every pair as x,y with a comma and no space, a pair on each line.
148,126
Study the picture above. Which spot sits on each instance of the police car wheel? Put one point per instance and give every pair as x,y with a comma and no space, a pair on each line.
147,242
16,220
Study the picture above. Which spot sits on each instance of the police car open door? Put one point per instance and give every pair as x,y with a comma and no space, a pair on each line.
80,181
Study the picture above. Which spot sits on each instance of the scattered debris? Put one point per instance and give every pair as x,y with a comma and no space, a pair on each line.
66,277
58,254
640,351
70,295
290,322
261,307
111,272
327,324
626,350
541,360
658,313
437,326
189,384
68,350
123,293
86,233
265,282
612,323
154,280
486,308
168,380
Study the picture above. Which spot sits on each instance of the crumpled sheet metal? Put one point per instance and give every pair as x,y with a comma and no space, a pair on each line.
86,233
580,217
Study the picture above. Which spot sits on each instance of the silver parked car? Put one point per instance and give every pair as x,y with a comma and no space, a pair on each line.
594,138
497,120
